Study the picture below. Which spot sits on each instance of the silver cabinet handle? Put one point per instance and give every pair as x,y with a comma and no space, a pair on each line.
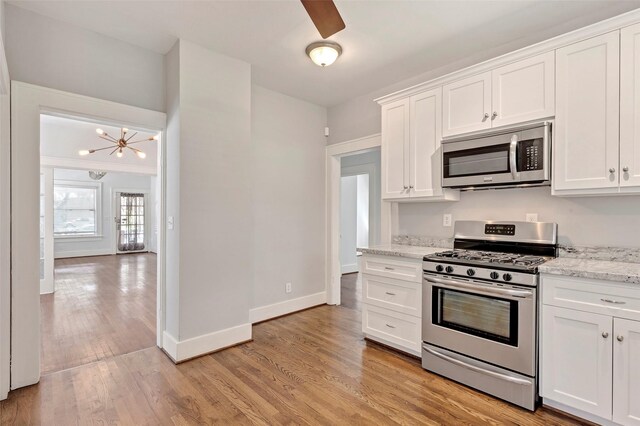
405,187
389,293
625,169
615,302
390,326
486,115
494,115
389,268
620,338
612,170
410,186
605,334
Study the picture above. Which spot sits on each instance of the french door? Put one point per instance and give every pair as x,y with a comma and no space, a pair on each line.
131,224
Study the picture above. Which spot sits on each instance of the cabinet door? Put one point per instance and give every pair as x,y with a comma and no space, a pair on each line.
587,114
426,134
630,106
576,359
395,149
467,105
523,91
626,372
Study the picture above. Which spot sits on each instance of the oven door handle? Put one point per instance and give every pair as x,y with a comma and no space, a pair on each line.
475,288
495,374
513,150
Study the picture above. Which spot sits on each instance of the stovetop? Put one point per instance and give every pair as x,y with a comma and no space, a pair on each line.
501,260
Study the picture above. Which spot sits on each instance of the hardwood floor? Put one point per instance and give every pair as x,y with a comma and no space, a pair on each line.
103,306
312,367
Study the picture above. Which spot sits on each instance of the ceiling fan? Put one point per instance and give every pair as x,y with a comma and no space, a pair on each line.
325,16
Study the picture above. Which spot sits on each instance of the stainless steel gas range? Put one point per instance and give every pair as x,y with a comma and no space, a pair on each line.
480,314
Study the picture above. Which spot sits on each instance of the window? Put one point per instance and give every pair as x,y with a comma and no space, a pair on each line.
76,207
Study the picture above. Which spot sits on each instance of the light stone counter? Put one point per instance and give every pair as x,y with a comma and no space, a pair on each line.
606,270
401,250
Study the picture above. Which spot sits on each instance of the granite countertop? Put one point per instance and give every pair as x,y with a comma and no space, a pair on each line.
401,250
607,270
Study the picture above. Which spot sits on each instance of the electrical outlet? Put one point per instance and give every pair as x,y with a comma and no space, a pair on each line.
170,222
446,219
532,217
287,288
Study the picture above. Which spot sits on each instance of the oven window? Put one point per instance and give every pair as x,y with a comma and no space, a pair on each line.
487,160
483,316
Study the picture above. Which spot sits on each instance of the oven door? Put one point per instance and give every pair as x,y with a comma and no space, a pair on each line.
486,321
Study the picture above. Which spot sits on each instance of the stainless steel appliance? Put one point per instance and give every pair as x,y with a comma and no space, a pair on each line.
515,157
479,324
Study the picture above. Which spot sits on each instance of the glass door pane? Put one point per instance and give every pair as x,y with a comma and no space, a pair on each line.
130,222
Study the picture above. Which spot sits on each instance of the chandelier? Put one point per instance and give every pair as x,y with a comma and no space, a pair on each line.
119,144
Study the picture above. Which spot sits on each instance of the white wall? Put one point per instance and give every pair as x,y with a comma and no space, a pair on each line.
348,223
361,163
288,153
50,53
362,201
111,182
213,211
599,221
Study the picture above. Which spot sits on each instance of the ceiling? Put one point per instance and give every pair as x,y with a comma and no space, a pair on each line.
63,137
385,41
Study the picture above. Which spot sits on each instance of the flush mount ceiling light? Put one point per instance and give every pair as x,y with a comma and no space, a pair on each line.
95,175
120,144
323,53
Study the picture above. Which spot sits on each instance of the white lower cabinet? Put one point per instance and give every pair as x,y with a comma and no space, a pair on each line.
392,302
590,351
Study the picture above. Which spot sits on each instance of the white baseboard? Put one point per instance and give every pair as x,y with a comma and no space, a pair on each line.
83,253
207,343
348,269
288,306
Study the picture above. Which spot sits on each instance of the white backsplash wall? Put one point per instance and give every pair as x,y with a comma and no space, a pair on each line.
584,221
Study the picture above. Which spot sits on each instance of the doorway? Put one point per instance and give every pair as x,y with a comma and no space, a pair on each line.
98,262
28,103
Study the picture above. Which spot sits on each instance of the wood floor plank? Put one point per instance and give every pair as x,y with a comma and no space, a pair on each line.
309,368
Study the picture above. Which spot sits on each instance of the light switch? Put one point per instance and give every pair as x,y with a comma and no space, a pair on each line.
170,222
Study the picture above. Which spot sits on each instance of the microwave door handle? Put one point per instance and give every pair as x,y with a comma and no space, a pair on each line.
513,150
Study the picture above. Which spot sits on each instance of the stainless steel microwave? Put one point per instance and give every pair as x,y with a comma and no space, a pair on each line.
514,157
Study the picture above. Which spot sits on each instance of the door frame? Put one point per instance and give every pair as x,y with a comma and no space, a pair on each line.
27,103
5,224
114,212
333,171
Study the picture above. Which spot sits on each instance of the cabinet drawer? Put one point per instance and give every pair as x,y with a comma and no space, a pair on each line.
601,297
392,328
390,293
392,268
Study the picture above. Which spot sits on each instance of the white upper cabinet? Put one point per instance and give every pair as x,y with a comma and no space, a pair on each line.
523,91
467,105
411,135
626,374
395,149
586,137
519,92
630,106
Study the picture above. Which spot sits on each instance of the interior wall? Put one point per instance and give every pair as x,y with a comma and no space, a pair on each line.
50,53
362,209
105,244
361,163
348,223
584,221
288,154
5,219
213,207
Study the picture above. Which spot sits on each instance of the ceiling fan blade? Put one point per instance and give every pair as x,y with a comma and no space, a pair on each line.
325,16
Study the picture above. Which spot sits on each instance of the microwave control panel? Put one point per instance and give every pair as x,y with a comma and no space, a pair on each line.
530,153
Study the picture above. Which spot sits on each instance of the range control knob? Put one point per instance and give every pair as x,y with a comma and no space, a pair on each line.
471,272
494,275
449,269
439,268
507,277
